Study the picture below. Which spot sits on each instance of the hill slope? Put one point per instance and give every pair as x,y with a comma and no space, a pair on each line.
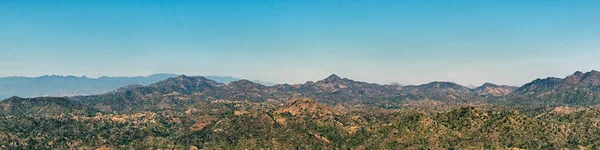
17,106
72,86
576,89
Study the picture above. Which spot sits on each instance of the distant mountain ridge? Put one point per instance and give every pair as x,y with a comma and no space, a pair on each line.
181,91
55,85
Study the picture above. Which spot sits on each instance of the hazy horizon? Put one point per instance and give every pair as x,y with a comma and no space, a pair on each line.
467,85
409,42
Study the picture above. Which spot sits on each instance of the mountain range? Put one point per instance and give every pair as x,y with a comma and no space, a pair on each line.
577,89
56,85
178,92
194,112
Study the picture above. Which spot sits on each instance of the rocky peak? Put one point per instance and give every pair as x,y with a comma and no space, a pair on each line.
580,79
182,77
189,81
332,78
333,83
487,84
244,84
575,78
14,97
185,85
592,73
11,99
538,85
543,82
591,78
490,89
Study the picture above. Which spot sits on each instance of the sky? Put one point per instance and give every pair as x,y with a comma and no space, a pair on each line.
469,42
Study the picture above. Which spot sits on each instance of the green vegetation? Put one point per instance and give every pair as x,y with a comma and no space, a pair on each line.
307,124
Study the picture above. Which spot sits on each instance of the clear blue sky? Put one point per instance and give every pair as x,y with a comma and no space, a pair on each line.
411,42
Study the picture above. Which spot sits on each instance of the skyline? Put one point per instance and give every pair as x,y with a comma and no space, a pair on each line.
252,80
410,42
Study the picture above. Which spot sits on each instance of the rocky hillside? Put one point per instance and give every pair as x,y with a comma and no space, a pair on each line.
17,106
301,123
489,89
444,91
306,107
576,89
173,92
